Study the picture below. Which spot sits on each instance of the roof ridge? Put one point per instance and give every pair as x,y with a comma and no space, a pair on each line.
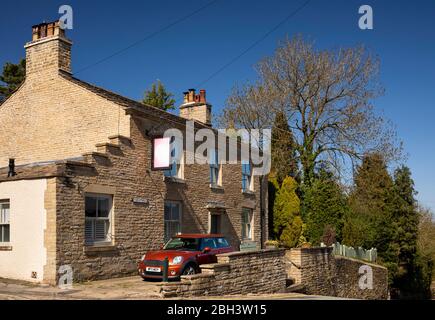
122,100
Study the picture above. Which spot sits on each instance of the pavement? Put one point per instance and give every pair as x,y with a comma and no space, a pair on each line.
129,288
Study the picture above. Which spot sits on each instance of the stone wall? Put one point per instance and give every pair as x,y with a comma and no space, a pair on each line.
52,118
322,273
255,272
312,267
125,173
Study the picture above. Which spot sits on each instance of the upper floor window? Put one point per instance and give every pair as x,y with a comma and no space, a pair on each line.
5,226
177,161
98,224
247,181
247,216
215,169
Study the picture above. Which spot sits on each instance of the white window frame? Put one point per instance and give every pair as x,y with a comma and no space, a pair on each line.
109,231
3,222
250,183
247,234
179,163
180,215
215,169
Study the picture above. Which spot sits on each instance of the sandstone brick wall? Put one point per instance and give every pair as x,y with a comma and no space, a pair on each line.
322,273
312,267
51,118
348,277
50,234
234,273
125,171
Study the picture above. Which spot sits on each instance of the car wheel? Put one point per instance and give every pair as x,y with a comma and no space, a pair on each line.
189,270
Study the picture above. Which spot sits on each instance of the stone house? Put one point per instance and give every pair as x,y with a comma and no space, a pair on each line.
82,192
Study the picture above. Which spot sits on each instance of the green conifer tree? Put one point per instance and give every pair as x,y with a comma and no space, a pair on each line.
158,97
324,207
286,215
13,75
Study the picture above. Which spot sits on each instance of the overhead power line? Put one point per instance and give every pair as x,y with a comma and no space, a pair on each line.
253,45
149,36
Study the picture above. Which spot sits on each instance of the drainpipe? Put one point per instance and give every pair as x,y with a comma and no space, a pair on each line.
262,235
11,172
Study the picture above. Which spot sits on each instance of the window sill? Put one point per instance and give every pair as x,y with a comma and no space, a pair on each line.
174,180
248,192
96,248
216,187
5,247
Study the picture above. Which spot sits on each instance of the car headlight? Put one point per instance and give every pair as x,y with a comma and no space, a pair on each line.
177,260
143,257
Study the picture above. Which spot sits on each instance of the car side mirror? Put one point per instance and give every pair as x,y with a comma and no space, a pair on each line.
206,250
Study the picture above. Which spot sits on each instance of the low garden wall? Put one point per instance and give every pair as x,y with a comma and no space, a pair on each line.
260,271
322,273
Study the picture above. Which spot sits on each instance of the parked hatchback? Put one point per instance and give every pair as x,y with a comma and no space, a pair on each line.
185,253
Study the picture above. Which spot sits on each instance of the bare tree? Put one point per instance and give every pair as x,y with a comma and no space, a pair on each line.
326,96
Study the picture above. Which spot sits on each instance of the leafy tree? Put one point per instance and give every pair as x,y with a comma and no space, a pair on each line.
426,250
273,188
286,216
158,97
324,207
13,75
284,162
414,272
405,215
371,220
326,96
426,236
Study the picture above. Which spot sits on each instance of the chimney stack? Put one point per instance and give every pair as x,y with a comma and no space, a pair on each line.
49,51
195,107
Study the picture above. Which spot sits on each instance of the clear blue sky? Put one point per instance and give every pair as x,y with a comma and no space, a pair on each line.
185,55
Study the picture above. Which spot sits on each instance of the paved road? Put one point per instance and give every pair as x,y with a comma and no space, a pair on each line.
131,288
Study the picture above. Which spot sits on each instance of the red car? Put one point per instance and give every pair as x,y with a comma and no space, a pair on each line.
185,252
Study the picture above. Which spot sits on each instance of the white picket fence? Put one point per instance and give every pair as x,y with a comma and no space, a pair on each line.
355,253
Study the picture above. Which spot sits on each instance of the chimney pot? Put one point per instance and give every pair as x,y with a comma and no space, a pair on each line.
45,30
202,96
195,107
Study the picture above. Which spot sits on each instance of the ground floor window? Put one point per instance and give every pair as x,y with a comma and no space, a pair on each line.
98,209
247,216
172,219
5,226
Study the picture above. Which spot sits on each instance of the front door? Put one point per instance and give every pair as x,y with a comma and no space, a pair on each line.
215,223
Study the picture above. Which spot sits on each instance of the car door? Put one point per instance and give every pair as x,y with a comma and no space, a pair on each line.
223,245
209,257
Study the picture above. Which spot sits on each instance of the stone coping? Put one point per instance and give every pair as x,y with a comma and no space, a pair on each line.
42,170
337,257
250,253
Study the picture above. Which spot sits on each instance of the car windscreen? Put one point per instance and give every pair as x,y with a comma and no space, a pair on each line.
188,244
